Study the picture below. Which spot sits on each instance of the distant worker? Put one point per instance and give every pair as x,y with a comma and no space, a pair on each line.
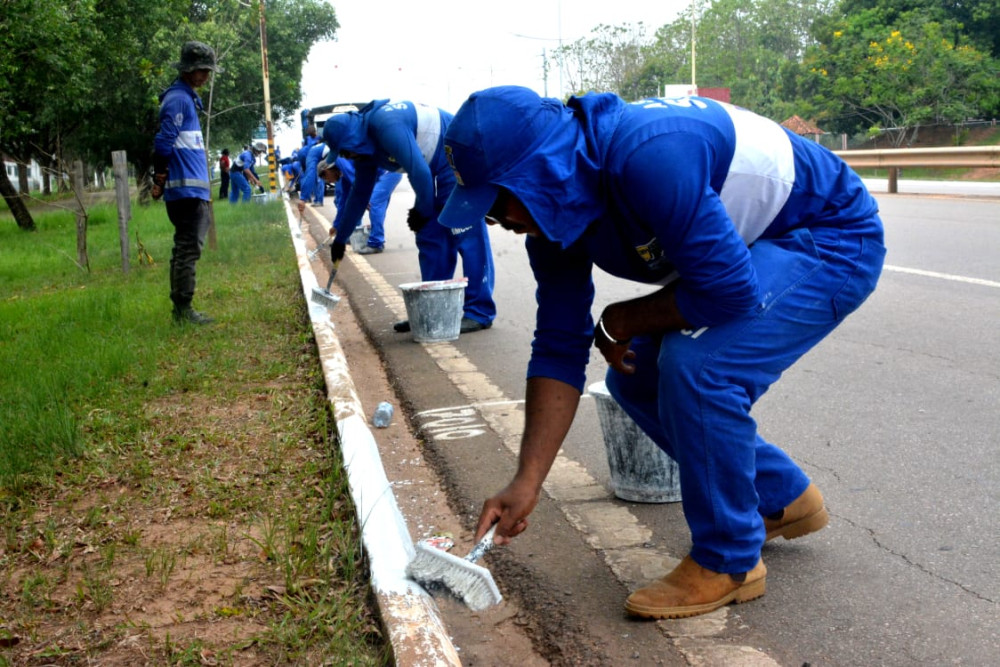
291,172
224,163
311,185
341,173
408,137
180,174
244,173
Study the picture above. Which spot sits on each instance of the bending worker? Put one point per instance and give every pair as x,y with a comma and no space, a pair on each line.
242,173
408,137
341,174
773,241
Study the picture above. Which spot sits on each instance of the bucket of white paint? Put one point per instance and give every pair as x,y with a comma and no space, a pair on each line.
640,471
434,308
359,237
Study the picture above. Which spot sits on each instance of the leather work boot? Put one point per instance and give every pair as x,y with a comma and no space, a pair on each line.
806,514
690,590
470,325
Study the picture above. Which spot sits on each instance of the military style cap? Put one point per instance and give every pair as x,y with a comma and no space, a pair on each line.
195,56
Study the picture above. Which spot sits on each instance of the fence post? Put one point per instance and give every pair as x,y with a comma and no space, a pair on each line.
893,180
119,163
81,217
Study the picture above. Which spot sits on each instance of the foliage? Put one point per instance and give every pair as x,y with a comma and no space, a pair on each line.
867,74
98,66
609,60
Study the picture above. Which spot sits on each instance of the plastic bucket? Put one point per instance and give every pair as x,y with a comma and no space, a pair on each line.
359,237
640,471
434,309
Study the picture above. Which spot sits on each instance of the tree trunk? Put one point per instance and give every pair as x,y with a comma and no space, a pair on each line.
17,208
22,180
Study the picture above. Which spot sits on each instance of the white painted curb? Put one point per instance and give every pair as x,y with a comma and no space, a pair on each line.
416,632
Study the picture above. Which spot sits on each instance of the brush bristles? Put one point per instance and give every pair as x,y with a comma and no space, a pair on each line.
324,297
468,581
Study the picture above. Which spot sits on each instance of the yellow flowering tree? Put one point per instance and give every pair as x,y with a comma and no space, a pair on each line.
893,79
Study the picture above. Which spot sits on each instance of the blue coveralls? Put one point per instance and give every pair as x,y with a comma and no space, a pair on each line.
312,186
775,241
379,202
403,136
291,171
238,182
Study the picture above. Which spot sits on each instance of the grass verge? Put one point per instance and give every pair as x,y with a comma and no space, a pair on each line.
170,494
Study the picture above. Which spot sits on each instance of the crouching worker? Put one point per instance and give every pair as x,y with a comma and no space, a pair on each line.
763,242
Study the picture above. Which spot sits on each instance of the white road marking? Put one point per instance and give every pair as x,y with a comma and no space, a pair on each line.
941,276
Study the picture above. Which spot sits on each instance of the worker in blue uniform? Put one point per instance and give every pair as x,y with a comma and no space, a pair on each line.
404,136
311,189
762,242
341,173
292,173
242,173
180,175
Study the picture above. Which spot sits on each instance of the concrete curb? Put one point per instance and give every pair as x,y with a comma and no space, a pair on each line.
409,614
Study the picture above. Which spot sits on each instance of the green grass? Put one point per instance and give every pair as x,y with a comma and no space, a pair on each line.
111,414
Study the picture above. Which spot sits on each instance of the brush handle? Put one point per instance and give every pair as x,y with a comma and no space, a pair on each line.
483,546
333,274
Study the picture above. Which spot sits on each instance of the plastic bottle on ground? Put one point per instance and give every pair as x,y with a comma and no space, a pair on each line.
383,414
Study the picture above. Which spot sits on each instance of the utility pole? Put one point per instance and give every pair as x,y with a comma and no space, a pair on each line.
694,84
271,162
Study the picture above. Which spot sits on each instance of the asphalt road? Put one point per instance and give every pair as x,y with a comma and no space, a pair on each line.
896,416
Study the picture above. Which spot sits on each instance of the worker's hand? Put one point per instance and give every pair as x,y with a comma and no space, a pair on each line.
416,221
337,251
302,206
606,339
509,509
159,180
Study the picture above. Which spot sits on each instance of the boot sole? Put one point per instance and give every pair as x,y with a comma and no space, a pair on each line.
802,527
745,593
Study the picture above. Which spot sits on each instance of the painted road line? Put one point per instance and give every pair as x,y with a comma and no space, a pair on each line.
942,276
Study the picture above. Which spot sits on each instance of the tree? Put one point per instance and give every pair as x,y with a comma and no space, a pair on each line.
43,72
869,75
609,61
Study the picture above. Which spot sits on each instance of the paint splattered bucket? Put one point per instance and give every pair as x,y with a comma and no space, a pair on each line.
359,237
434,308
641,472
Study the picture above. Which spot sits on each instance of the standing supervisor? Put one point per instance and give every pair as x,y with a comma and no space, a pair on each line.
408,137
180,174
763,242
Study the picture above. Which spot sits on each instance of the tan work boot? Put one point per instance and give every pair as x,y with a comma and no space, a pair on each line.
806,514
690,590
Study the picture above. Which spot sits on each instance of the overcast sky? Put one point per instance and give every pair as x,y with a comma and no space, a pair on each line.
439,51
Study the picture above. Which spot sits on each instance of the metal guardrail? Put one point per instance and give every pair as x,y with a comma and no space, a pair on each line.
895,158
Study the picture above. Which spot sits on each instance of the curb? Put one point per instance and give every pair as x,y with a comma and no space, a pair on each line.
409,614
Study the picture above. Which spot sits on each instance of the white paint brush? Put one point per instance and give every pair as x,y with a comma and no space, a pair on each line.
466,580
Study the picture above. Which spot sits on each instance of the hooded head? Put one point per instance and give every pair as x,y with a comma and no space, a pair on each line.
509,137
347,132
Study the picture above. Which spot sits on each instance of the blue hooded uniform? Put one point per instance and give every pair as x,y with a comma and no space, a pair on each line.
408,137
772,240
180,142
379,203
239,182
312,186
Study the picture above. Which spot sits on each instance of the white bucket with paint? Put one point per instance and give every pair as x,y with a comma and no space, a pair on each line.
641,472
359,237
434,308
